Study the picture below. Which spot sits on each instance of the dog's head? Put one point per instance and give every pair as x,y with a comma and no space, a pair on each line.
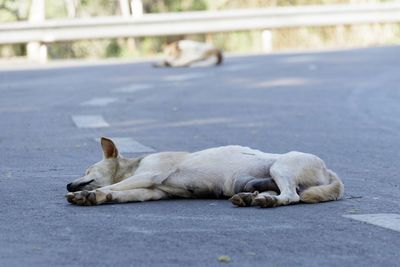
105,172
172,52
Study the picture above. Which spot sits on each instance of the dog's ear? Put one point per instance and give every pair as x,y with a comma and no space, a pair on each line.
109,148
176,48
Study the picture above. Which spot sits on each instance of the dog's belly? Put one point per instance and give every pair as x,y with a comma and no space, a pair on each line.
212,172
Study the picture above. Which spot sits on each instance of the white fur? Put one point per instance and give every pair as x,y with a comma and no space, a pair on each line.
210,172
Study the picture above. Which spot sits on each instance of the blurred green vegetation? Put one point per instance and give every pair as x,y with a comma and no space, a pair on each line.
248,41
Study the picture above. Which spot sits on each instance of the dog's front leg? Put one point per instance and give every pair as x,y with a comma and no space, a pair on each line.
143,180
105,194
100,196
136,195
188,63
88,198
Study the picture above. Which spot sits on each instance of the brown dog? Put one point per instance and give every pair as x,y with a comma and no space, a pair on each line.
186,53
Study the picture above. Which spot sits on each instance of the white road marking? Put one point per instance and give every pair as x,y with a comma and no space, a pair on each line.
129,145
282,83
385,220
236,67
133,88
183,77
299,59
90,121
99,101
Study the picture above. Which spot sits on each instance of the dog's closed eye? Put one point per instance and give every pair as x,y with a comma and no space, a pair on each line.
86,183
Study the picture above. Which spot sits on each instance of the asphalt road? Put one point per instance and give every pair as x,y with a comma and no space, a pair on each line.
342,106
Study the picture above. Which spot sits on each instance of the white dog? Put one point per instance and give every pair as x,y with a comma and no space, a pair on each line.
248,176
186,53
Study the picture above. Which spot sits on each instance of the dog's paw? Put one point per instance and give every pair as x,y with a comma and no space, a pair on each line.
243,199
237,201
82,198
89,198
265,201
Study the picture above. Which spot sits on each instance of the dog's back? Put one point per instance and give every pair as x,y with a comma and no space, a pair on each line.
201,50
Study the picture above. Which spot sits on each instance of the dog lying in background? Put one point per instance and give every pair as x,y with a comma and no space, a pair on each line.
186,53
248,176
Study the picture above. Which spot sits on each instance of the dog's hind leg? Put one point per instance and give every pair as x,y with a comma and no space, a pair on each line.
252,184
247,188
292,170
284,179
261,185
245,199
100,196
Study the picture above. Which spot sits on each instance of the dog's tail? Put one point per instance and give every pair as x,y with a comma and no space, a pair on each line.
220,57
320,193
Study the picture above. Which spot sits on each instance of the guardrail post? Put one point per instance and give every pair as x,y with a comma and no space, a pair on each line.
137,8
37,51
136,11
266,37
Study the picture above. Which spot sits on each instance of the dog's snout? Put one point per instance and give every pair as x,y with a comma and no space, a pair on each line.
70,188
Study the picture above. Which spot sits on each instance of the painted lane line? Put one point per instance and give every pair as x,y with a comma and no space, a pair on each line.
90,121
183,77
282,83
385,220
299,59
129,145
236,67
133,88
99,101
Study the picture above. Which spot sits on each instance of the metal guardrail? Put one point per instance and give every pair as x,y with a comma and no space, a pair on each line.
197,22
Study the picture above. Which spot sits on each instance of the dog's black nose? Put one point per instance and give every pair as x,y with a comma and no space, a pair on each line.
70,187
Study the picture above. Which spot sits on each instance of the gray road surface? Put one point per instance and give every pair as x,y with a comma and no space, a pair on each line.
343,106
